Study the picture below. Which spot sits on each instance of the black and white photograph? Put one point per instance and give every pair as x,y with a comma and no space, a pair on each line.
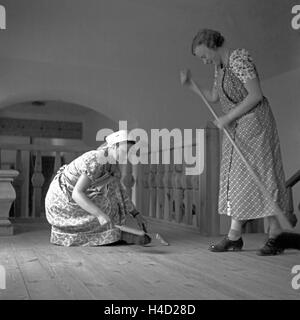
150,153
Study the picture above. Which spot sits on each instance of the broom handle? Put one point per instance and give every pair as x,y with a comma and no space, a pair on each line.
266,194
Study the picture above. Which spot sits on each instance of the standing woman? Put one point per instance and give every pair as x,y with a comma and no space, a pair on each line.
249,120
85,199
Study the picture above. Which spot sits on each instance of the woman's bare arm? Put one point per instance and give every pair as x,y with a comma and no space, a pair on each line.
79,196
254,96
211,95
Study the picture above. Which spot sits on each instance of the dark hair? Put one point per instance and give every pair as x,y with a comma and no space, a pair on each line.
210,38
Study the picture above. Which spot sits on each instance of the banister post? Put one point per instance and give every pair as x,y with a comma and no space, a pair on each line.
7,197
37,181
127,178
209,183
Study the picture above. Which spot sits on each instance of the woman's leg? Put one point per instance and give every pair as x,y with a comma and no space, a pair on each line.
271,247
233,241
282,240
274,227
235,231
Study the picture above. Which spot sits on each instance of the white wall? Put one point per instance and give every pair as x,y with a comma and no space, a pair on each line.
122,57
284,96
91,120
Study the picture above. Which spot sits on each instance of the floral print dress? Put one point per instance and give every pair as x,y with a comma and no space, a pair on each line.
72,225
256,135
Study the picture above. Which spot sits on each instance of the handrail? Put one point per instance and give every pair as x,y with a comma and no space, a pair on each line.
293,179
40,147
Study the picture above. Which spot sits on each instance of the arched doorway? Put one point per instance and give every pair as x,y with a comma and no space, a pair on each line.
38,136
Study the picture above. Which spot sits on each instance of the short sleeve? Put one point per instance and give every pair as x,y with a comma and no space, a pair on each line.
241,63
91,166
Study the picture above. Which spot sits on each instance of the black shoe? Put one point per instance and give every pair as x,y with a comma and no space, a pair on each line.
226,244
271,248
292,219
130,238
288,240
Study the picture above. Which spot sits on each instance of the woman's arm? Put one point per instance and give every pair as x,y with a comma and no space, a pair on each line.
79,196
210,95
131,209
242,65
254,96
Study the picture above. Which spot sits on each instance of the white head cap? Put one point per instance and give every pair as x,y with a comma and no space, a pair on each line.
119,136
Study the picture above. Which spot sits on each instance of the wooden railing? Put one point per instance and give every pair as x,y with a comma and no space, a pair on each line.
160,191
24,183
166,193
32,206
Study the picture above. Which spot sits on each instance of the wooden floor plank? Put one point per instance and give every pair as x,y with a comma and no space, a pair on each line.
75,262
39,282
134,273
15,285
184,270
68,282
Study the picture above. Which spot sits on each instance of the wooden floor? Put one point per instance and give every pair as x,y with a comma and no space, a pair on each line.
185,270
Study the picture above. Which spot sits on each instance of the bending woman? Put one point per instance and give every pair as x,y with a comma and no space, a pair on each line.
85,199
249,120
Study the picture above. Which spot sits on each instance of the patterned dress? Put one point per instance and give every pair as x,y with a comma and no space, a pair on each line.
256,135
72,225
